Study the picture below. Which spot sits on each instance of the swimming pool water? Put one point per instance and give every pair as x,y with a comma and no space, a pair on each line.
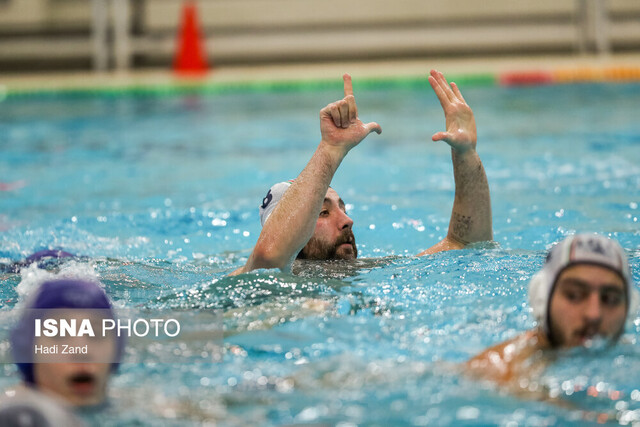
160,192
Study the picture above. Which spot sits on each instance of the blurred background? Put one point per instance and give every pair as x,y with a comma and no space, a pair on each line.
122,35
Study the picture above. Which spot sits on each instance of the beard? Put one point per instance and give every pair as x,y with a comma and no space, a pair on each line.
579,337
317,249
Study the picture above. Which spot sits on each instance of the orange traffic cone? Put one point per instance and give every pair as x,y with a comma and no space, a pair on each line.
190,57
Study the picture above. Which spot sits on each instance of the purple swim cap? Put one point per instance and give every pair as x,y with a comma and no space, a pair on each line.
47,253
45,258
69,293
54,294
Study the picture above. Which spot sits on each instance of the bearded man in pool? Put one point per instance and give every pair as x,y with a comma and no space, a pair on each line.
581,297
305,218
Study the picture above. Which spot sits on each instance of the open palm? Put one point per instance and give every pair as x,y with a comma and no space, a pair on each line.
461,124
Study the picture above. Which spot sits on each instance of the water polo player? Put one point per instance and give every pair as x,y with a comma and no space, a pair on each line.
307,219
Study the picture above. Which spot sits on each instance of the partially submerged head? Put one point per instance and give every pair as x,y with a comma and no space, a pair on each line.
583,291
333,236
48,259
78,378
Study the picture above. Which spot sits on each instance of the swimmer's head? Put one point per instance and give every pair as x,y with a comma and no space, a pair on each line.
583,291
333,235
47,259
46,254
79,382
272,199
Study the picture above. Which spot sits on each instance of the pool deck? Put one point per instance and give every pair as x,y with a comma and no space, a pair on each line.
589,67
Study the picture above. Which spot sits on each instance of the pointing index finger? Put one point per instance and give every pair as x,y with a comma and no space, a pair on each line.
348,86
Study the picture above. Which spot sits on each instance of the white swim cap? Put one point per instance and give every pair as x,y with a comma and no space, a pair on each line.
579,249
271,200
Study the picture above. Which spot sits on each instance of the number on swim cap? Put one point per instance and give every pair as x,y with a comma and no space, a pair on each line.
267,200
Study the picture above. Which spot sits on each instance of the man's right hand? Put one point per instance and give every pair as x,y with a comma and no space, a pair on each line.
339,123
293,221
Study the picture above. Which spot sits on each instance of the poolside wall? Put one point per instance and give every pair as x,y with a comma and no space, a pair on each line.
65,34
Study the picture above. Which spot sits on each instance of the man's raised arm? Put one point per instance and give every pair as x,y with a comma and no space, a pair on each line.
471,214
293,221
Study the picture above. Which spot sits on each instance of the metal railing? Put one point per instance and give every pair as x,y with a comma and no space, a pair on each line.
593,26
102,49
591,22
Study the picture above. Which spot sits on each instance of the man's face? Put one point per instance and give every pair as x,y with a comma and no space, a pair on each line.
79,384
588,301
333,237
78,378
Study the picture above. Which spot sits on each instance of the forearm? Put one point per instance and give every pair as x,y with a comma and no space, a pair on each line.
293,221
471,214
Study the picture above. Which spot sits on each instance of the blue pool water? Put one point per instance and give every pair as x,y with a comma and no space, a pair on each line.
160,192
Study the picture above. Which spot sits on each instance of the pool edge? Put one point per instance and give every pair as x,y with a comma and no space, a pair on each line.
301,77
